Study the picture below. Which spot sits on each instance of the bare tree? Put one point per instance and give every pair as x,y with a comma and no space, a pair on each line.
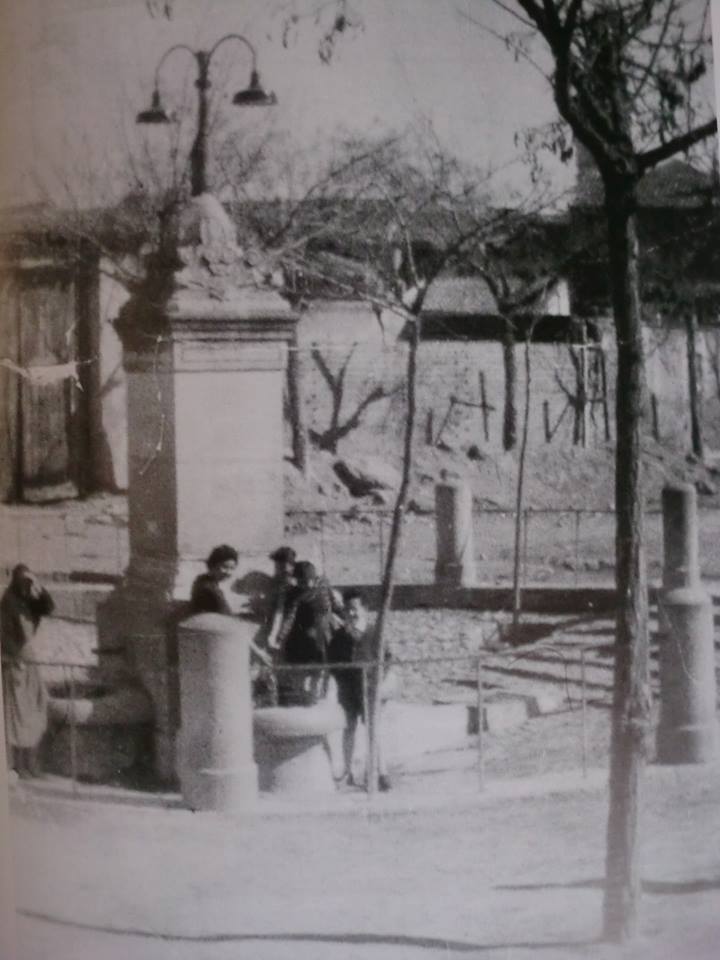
626,77
623,80
415,212
339,426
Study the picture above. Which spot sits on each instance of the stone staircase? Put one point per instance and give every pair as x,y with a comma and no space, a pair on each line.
555,662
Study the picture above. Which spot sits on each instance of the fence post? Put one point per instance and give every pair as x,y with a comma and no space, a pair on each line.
66,546
429,426
546,421
480,712
381,543
577,544
118,552
73,733
322,542
370,784
526,521
18,539
583,708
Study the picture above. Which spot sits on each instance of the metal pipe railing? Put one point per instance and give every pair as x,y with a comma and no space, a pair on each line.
478,662
109,554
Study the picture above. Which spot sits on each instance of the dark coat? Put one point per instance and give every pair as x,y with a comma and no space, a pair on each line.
24,695
307,628
349,645
207,597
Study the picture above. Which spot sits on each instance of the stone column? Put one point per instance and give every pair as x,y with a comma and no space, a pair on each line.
215,742
455,561
204,348
687,730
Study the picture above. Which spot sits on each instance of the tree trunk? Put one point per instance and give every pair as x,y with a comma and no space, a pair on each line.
631,694
388,581
691,328
581,409
295,408
510,368
520,519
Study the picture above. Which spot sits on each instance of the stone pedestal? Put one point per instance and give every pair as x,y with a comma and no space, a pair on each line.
455,562
688,729
215,746
204,349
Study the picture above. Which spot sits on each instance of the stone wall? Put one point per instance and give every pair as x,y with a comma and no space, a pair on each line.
113,396
452,368
353,333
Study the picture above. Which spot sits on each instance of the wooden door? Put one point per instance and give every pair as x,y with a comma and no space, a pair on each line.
9,388
48,399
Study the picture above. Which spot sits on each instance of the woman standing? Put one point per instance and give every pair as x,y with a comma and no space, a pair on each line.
22,607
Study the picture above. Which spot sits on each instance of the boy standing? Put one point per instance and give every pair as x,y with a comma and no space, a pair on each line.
353,643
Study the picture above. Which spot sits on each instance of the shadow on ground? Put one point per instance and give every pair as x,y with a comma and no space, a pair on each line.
660,887
361,939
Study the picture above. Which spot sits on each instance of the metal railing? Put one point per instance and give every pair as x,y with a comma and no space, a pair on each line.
72,680
574,544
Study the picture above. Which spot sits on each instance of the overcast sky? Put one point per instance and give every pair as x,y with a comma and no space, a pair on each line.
75,72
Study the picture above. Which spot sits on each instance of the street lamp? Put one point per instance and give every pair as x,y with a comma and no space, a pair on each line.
252,96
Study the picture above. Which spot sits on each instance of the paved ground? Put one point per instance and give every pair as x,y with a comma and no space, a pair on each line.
510,875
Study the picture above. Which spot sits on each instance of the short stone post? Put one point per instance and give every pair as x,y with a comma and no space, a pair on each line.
455,562
687,730
215,741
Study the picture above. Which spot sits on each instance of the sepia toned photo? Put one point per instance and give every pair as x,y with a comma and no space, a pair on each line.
359,479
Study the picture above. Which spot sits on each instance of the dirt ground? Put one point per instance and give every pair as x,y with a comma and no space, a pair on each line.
90,538
437,868
497,877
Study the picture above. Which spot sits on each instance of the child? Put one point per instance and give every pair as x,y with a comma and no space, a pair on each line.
353,643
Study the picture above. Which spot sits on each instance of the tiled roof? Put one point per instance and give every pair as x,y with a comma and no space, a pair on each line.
471,296
675,184
459,295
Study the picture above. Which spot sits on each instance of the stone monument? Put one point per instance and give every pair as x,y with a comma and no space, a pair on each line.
455,562
204,349
687,730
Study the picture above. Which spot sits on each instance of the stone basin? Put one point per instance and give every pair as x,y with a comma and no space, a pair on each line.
99,733
292,748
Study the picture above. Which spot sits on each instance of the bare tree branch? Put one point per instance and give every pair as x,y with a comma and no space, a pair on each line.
678,144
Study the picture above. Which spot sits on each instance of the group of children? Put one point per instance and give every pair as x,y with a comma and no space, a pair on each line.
305,624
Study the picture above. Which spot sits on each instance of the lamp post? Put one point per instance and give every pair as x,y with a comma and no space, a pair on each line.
252,96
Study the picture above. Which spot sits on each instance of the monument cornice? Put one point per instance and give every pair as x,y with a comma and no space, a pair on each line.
206,287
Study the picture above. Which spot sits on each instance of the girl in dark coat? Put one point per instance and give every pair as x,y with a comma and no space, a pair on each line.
212,591
22,607
305,635
208,591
